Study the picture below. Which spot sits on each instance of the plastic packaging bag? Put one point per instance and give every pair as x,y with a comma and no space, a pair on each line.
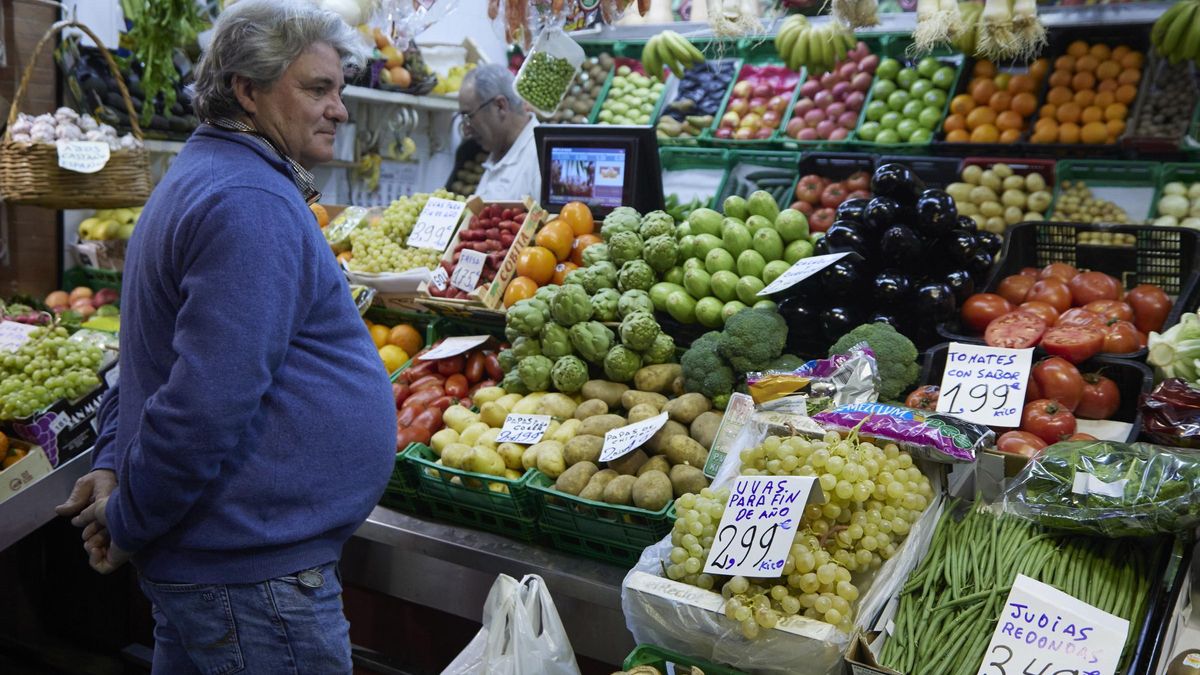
926,434
841,379
547,73
521,634
1171,414
1110,489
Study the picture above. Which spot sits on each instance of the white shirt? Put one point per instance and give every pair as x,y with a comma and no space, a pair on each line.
517,174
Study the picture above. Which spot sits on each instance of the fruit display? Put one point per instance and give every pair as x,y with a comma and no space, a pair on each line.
66,125
109,224
377,247
750,341
580,100
48,367
1067,312
757,104
9,453
426,391
557,250
1059,395
907,103
697,100
670,50
492,232
819,197
466,178
631,98
1175,34
1169,101
396,344
1091,91
452,81
817,49
829,105
998,197
997,105
544,80
1077,203
1179,205
873,494
82,302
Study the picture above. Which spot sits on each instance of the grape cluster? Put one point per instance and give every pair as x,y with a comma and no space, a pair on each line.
45,369
375,252
871,497
400,216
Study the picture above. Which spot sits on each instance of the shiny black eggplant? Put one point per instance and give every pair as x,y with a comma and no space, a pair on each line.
891,288
934,302
936,212
900,247
853,209
839,320
898,182
882,213
962,283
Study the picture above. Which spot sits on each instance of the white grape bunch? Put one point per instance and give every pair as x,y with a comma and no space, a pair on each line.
45,369
375,252
872,497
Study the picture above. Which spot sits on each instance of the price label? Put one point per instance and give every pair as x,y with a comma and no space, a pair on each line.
435,225
985,385
759,524
83,156
440,278
467,271
453,346
13,334
523,429
1043,630
622,441
801,270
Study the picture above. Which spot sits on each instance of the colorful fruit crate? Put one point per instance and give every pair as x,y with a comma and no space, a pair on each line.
837,166
1029,101
1129,185
875,44
608,532
761,56
666,661
494,503
1159,71
896,49
391,317
750,170
721,94
401,491
635,66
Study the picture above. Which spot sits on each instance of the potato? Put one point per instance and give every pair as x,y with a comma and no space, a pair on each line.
651,491
687,479
591,408
657,378
550,458
583,448
655,463
557,405
642,411
677,387
509,401
633,398
688,407
683,450
598,425
512,474
485,460
705,427
529,404
609,392
455,455
458,418
573,480
658,442
595,487
629,464
441,439
620,490
529,457
512,453
487,395
493,414
498,487
565,431
472,433
488,439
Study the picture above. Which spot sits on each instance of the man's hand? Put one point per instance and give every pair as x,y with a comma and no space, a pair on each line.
103,555
93,514
98,484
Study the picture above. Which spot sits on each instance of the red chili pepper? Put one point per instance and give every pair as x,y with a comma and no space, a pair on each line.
451,365
456,385
492,363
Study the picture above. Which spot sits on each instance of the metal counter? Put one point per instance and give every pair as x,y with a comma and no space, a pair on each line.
451,568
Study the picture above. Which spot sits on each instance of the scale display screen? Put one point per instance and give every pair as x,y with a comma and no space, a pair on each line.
594,176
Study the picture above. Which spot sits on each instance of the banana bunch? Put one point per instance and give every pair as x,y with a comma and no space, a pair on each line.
800,45
1176,34
672,50
967,40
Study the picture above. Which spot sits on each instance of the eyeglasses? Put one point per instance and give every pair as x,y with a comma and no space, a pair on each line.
464,118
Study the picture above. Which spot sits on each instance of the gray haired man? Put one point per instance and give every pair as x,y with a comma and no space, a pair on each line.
492,113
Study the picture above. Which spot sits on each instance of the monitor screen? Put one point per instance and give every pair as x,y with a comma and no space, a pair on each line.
593,175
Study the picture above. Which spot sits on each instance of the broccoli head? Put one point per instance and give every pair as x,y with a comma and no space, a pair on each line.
704,371
895,356
752,339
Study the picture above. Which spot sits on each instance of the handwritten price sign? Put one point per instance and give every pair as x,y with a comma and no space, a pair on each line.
467,271
985,385
83,156
759,524
801,270
453,346
440,278
621,442
13,334
523,429
435,225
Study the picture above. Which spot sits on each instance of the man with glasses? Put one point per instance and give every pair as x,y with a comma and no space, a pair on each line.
491,113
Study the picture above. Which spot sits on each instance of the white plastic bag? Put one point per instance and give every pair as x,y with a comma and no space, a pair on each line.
521,634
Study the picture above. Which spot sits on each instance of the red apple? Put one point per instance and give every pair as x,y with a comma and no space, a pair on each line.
825,127
868,64
794,127
810,88
808,134
744,133
802,106
771,119
764,132
823,99
742,89
778,104
847,70
835,110
740,106
723,132
762,91
730,119
839,134
848,119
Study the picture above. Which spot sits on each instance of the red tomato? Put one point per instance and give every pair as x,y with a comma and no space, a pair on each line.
1150,307
1015,287
1091,286
1120,337
858,194
451,365
406,416
474,369
492,365
427,382
1063,271
1057,379
1048,420
924,398
859,180
982,308
1074,343
1080,437
1100,399
457,385
1048,313
1015,330
1078,317
430,418
809,189
1111,309
1020,443
1142,337
1031,272
803,207
821,219
832,195
400,391
1052,291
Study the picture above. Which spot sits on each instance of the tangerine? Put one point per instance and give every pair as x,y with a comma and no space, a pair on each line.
1043,137
537,263
1094,132
1059,95
1119,52
1100,51
321,214
980,117
579,217
1065,62
1115,129
985,134
582,242
1104,99
1115,111
1083,80
1108,70
1069,112
982,91
1039,68
1008,120
1048,111
1129,76
1085,97
1092,114
520,288
1002,81
1010,135
1068,133
1000,101
1107,85
1132,60
1126,93
984,68
962,104
1046,125
379,334
1086,64
561,270
557,237
404,336
1021,83
958,136
1024,104
1077,48
1060,78
954,122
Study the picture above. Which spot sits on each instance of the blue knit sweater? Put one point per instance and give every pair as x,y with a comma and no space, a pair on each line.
254,426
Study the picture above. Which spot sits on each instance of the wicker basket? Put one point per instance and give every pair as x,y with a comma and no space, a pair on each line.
29,172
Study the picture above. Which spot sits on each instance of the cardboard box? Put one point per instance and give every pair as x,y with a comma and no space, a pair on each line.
102,255
66,428
860,660
490,296
25,472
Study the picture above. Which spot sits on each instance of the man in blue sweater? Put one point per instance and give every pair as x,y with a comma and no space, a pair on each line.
254,428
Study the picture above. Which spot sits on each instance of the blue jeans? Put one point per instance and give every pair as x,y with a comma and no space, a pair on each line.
291,624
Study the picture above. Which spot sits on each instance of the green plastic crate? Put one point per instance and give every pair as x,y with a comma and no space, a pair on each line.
658,658
1140,179
895,49
628,527
668,93
590,547
475,493
785,162
523,529
754,59
401,491
673,159
391,317
92,277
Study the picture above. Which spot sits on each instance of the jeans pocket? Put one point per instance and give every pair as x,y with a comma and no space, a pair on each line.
202,616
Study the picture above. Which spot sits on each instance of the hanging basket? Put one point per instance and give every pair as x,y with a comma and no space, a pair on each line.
29,172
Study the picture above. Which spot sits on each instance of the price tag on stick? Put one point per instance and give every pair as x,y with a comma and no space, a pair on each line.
759,524
439,279
523,429
985,385
801,270
467,271
622,441
435,225
453,346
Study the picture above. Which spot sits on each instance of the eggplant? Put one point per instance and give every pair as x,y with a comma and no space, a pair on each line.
961,283
897,182
842,280
936,212
889,319
821,247
802,317
900,247
959,247
934,302
881,213
891,288
837,321
967,223
980,266
853,210
846,235
989,242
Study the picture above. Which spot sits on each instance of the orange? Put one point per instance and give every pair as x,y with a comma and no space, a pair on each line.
1024,104
520,288
1086,64
1107,85
379,335
581,242
321,214
406,337
1083,80
1108,70
1046,125
16,455
1065,62
1069,112
1060,78
537,263
1116,111
1039,68
345,256
955,122
1085,97
579,217
1119,52
1041,137
1002,81
1077,48
1068,133
561,270
1104,99
1059,95
984,68
1008,120
982,91
1100,51
1021,83
1126,93
557,237
1115,129
1129,76
980,117
1010,135
1048,111
1094,132
1132,60
1092,113
3,444
1000,100
962,104
958,136
985,134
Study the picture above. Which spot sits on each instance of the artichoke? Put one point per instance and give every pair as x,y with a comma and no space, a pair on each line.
592,340
635,275
571,305
638,331
623,247
661,253
622,219
556,342
535,372
657,223
569,374
621,363
594,254
604,305
525,318
662,351
525,347
634,301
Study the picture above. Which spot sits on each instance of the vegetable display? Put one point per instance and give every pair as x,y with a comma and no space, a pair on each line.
1179,206
997,198
426,390
758,103
752,340
1092,90
895,356
695,105
829,105
491,232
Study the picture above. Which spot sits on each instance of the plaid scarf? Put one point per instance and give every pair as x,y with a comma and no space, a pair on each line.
300,176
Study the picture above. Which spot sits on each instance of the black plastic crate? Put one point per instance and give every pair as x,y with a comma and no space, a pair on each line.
833,165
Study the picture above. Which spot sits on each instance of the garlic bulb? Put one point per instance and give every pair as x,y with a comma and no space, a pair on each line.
95,136
65,114
22,126
22,138
128,142
108,131
89,123
45,118
68,132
